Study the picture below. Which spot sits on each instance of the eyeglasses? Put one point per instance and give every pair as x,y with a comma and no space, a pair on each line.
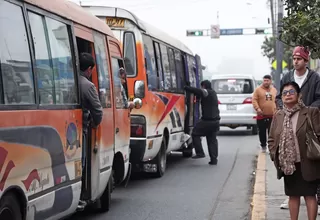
290,92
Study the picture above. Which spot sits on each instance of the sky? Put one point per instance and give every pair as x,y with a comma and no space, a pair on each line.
227,55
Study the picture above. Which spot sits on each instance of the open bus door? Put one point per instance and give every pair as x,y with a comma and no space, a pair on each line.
96,184
199,78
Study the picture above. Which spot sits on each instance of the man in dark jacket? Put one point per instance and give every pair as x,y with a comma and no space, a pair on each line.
307,79
91,106
208,126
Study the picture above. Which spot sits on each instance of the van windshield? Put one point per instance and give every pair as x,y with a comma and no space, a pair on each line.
232,86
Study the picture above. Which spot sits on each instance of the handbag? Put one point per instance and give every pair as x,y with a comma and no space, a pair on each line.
312,142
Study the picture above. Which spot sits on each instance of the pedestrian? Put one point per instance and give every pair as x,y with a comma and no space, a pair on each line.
288,150
209,123
308,81
264,102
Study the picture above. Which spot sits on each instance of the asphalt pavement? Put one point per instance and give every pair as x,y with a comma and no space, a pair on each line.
192,189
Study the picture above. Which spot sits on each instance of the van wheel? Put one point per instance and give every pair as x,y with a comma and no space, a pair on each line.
105,199
10,208
187,152
254,129
161,159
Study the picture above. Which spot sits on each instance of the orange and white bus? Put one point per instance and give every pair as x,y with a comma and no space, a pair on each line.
41,175
158,67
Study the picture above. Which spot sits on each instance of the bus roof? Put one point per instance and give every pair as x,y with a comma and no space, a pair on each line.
73,12
147,28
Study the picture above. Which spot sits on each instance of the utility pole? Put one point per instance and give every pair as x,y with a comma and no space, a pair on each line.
279,46
273,22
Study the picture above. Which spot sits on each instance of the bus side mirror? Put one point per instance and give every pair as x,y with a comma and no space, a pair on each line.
137,103
139,90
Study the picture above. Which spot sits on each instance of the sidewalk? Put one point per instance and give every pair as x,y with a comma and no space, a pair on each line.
275,196
269,193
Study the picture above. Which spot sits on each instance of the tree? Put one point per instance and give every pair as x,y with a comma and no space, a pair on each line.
301,26
268,50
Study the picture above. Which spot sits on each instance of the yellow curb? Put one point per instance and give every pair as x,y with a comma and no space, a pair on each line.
259,194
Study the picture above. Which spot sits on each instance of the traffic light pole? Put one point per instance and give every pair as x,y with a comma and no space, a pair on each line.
279,46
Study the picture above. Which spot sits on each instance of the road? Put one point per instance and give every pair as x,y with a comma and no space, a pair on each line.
192,189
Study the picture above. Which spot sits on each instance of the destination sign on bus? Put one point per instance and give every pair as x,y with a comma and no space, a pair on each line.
115,22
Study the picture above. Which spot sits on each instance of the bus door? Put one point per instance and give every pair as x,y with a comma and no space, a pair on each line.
91,175
198,73
122,114
190,97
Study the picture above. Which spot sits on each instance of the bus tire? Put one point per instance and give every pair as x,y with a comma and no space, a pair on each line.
10,208
161,159
187,152
105,199
254,130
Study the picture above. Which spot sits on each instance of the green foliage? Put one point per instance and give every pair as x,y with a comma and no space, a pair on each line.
301,26
268,50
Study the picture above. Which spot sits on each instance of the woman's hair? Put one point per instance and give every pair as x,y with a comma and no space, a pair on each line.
293,84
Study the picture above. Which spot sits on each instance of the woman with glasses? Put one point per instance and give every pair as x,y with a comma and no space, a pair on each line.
288,150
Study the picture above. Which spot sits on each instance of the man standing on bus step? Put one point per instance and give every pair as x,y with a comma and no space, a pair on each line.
209,123
264,102
91,106
309,82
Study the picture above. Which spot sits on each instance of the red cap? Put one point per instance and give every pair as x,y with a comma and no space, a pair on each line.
301,52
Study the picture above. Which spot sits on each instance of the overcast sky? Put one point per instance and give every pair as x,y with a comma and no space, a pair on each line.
229,54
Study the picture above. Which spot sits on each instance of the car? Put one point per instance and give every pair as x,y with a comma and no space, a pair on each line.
235,101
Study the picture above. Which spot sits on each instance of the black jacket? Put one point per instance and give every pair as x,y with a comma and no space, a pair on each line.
90,102
310,89
209,103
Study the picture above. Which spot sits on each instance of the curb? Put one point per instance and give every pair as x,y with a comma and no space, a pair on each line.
258,203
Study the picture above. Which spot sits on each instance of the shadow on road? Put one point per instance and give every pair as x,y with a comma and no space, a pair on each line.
234,132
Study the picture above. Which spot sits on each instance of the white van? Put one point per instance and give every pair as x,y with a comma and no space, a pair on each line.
235,100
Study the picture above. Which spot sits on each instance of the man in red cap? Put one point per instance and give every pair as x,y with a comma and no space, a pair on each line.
307,79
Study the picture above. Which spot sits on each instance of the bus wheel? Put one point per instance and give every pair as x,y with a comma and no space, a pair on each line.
105,199
10,208
161,159
254,130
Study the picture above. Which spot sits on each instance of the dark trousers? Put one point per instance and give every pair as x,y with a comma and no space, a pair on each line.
264,127
208,129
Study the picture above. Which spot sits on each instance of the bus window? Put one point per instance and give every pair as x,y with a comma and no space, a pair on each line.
172,69
152,77
63,71
102,68
119,91
191,69
15,68
180,70
130,58
159,65
42,65
166,68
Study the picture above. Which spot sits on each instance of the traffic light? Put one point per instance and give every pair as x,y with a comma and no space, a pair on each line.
259,31
263,30
195,33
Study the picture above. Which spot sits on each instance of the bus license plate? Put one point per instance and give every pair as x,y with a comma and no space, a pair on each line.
231,107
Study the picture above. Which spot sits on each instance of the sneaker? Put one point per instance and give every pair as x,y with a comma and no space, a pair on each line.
285,204
213,162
